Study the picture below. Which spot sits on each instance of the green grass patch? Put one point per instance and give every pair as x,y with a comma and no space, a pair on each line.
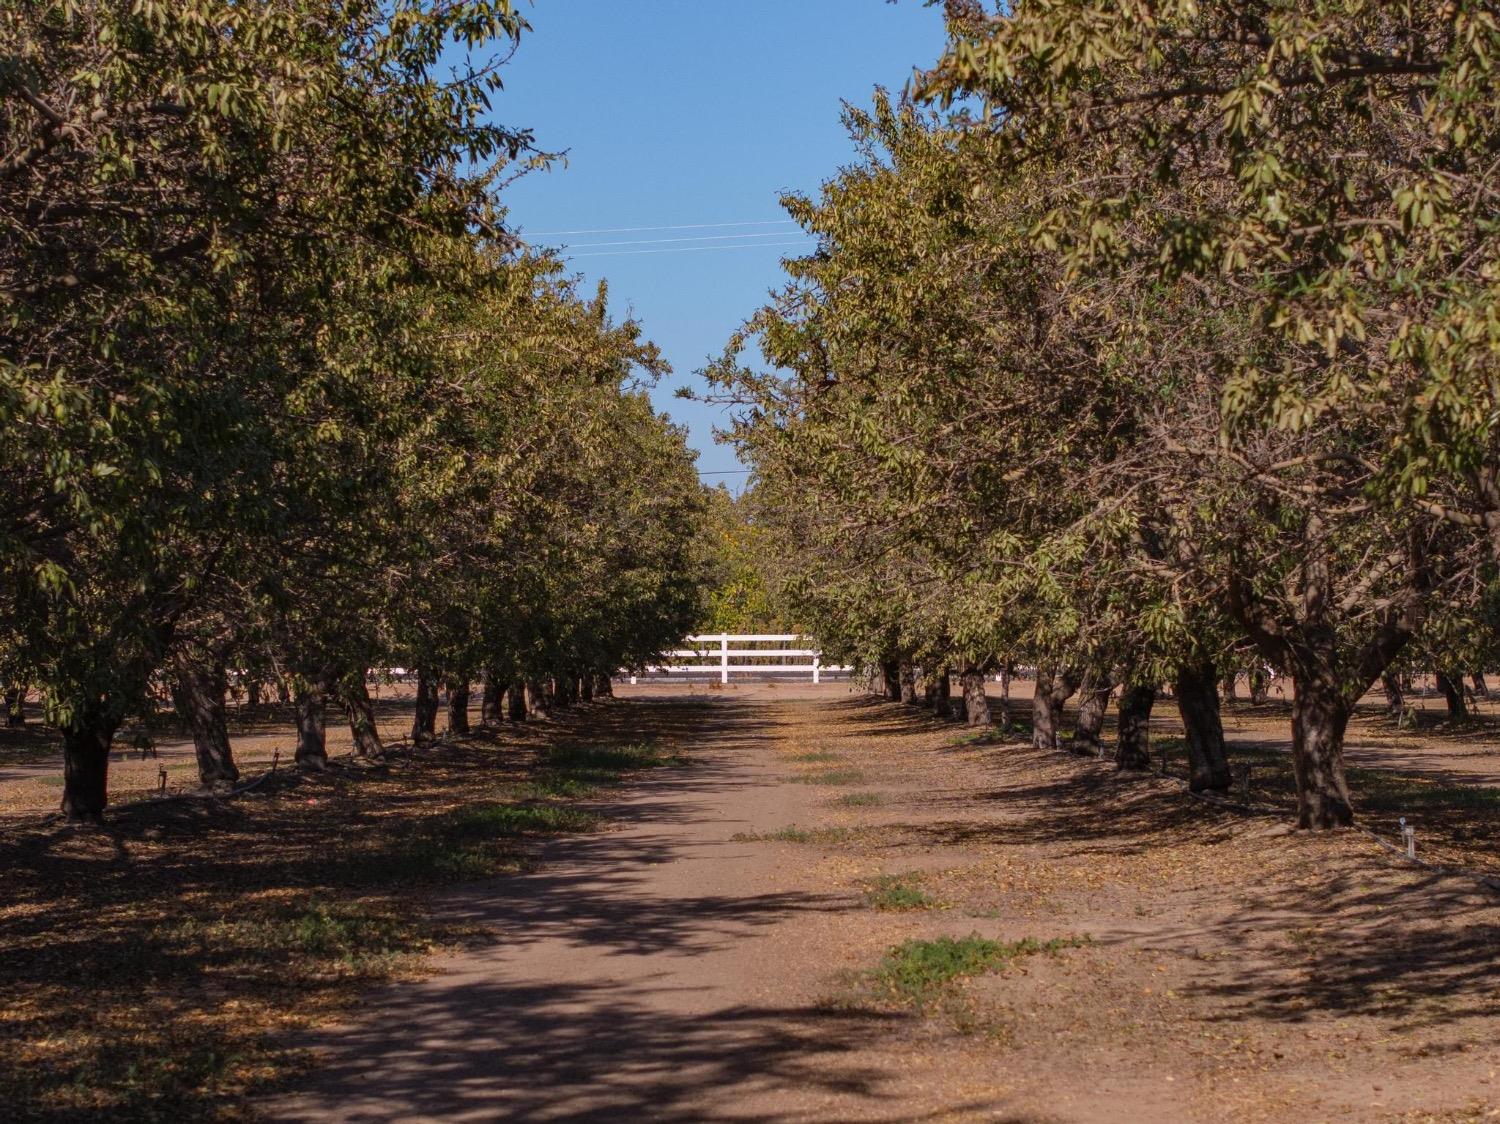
815,757
831,776
608,759
918,973
897,893
793,834
473,842
859,800
556,786
359,938
1393,792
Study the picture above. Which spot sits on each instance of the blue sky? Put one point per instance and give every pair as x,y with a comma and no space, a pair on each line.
676,113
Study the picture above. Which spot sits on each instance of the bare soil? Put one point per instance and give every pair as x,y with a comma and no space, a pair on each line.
718,955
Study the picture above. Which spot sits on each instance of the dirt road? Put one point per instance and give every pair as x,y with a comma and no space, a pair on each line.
712,958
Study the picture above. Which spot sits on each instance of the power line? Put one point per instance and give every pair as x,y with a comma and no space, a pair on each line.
688,238
681,226
689,249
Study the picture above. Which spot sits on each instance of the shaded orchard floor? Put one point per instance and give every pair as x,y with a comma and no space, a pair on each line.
154,967
713,958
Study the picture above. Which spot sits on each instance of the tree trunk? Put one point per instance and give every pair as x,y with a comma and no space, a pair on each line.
253,692
1134,750
283,690
1481,688
492,700
515,702
15,709
890,672
198,694
908,684
942,697
1005,708
312,726
564,691
1260,686
1319,718
1227,688
424,721
361,712
604,686
976,704
1208,764
1092,706
1053,689
1452,687
1395,703
458,707
86,742
536,701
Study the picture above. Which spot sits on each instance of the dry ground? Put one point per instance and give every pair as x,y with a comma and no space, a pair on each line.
778,929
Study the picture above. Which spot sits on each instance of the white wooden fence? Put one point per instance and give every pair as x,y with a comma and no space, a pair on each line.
727,654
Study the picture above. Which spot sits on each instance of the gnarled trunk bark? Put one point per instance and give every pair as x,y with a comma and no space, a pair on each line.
1481,688
890,671
312,725
1227,686
458,707
1092,706
942,695
1053,689
198,694
908,684
361,713
515,702
86,741
586,688
537,703
1395,703
424,721
1452,686
492,700
604,686
1208,764
976,703
1134,749
1319,718
563,691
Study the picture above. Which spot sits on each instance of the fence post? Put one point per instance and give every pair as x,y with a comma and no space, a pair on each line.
724,658
816,661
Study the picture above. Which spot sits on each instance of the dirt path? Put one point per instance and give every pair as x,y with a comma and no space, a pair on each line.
711,959
641,973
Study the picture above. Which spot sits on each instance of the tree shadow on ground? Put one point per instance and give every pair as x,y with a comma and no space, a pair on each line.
1315,926
195,922
602,1053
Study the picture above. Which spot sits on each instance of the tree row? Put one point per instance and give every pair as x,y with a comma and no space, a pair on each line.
281,396
1144,344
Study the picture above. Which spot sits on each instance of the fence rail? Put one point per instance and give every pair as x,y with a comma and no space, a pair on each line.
725,654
